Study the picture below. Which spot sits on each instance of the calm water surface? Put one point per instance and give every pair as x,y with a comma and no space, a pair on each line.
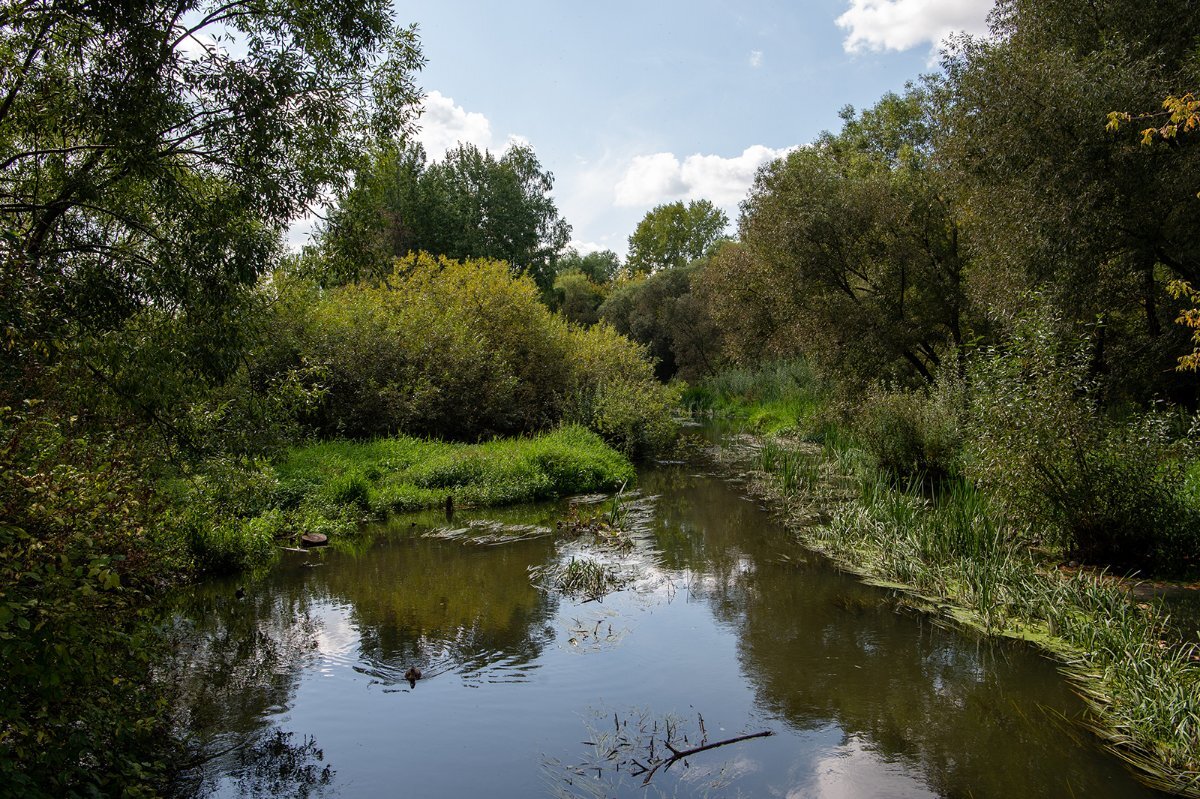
725,628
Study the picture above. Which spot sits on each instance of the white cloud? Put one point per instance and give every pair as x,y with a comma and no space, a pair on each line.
649,179
444,124
653,179
587,247
756,58
880,25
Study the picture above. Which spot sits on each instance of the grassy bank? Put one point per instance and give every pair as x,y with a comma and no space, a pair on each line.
953,549
329,487
404,473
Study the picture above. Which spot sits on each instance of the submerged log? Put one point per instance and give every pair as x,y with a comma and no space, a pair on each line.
313,540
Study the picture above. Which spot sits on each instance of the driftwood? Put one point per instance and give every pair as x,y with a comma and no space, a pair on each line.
680,754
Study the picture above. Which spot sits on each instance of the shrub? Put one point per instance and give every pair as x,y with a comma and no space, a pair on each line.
463,351
79,545
911,433
1108,489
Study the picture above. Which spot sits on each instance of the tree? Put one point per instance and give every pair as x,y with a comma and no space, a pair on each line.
577,297
151,152
600,267
850,253
1057,207
468,205
661,312
674,235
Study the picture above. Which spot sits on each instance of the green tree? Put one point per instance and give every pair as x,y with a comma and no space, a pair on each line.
468,205
1061,209
661,312
675,234
850,253
577,297
145,163
600,267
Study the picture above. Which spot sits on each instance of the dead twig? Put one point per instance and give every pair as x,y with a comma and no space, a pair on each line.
680,754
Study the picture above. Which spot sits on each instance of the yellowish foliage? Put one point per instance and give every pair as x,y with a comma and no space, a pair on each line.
1189,318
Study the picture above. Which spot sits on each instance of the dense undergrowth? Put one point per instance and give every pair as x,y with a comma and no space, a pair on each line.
897,490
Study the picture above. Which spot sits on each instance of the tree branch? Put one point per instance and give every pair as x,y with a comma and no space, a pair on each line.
680,754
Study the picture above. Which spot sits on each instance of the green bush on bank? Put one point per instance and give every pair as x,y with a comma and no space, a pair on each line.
461,351
919,432
1109,489
80,548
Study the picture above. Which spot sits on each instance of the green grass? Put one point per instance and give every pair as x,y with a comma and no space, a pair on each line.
403,473
785,395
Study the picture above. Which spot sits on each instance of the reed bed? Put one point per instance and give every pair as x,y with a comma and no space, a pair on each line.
948,546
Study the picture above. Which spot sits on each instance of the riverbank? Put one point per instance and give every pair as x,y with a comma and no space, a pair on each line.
331,487
951,551
102,542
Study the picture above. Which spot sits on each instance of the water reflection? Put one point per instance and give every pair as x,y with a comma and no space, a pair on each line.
729,624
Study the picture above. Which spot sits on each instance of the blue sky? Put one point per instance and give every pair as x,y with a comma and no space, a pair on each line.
631,104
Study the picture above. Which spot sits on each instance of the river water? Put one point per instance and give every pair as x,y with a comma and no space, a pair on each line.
722,627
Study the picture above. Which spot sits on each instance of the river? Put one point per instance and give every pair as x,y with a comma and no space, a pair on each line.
717,626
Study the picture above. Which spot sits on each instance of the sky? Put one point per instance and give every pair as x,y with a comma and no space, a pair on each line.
634,104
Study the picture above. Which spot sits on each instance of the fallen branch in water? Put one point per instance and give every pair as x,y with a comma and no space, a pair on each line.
680,754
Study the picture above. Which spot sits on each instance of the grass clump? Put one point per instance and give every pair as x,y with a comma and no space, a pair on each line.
404,473
774,397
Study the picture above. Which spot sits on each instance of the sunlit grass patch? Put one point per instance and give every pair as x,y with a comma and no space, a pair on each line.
403,473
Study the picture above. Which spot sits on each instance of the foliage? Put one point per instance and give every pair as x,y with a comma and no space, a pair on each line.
79,547
1180,114
849,254
1088,220
577,298
661,312
147,163
917,433
1109,491
774,397
674,235
614,393
462,351
441,348
469,205
1189,318
600,267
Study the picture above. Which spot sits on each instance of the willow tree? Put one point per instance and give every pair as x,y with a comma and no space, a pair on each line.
151,152
850,253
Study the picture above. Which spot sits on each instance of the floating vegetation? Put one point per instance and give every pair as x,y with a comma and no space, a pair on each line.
632,751
484,532
595,633
580,578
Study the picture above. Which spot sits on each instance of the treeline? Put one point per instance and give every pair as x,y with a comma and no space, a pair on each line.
992,271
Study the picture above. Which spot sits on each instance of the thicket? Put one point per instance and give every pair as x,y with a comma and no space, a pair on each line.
460,350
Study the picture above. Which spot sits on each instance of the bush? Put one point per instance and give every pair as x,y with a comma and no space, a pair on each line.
1108,489
914,433
79,546
461,351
